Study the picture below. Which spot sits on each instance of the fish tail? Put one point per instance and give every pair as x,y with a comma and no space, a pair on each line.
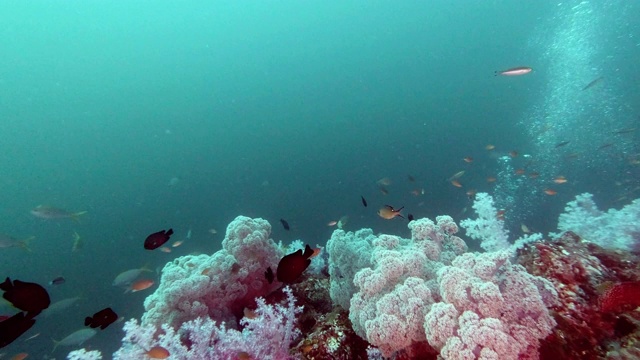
76,216
55,345
24,243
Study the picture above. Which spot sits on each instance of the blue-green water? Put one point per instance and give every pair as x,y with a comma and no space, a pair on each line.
152,115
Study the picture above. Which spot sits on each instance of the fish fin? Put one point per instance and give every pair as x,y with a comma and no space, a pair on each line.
169,232
389,207
308,251
87,320
400,209
24,243
400,215
55,345
76,216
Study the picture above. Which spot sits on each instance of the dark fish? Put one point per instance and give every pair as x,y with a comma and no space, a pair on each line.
593,83
604,146
57,281
410,217
293,265
157,239
13,327
269,275
364,202
561,144
411,178
102,319
285,224
26,296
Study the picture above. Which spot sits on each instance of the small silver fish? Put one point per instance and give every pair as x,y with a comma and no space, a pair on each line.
75,338
7,241
521,70
125,278
48,212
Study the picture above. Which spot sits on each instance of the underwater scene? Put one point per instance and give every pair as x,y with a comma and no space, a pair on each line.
256,180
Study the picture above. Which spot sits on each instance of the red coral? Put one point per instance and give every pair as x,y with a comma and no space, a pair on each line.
621,295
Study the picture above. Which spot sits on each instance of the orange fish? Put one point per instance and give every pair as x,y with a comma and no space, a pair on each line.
456,183
177,243
165,249
560,180
468,159
500,214
141,285
519,171
490,147
491,179
243,355
513,153
388,212
158,352
550,192
250,314
316,252
332,223
20,356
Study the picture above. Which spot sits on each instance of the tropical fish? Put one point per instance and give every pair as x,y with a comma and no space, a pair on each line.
550,192
520,70
388,212
13,327
293,265
624,131
332,223
20,356
57,281
560,180
60,305
385,181
140,285
593,83
468,159
456,183
562,143
157,352
49,213
7,242
285,224
77,242
157,239
102,319
457,175
125,278
343,221
75,338
26,296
